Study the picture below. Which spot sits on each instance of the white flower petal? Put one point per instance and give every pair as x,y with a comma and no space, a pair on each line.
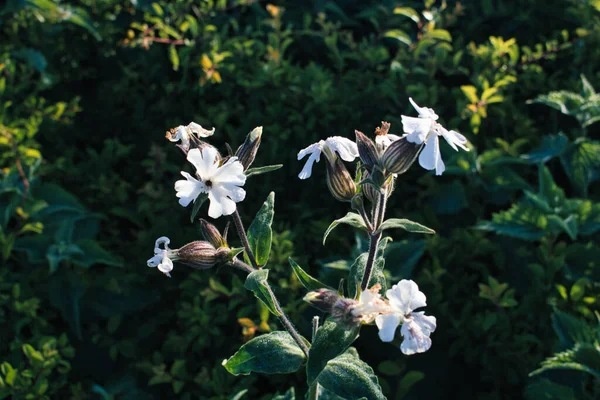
204,161
199,130
234,192
188,190
417,129
166,265
346,148
307,169
313,148
385,140
430,158
387,324
215,210
163,240
155,261
416,331
454,138
230,172
424,112
405,297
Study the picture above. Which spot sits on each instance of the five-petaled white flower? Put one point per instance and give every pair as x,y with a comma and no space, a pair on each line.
346,148
186,134
425,129
404,298
161,256
221,183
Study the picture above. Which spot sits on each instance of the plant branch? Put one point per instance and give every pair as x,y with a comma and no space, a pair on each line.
313,391
374,238
239,264
287,324
239,226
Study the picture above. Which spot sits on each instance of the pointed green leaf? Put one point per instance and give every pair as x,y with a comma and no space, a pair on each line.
406,224
351,219
351,378
408,12
260,233
262,170
399,35
583,357
330,341
257,283
289,395
273,353
305,279
64,291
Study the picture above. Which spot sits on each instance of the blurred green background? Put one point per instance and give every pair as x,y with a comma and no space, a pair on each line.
89,87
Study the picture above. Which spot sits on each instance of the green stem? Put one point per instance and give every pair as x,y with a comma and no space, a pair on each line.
287,324
313,393
242,265
374,239
239,226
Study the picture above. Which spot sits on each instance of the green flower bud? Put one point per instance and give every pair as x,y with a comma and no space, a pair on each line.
341,312
400,155
247,151
199,255
366,150
212,234
340,183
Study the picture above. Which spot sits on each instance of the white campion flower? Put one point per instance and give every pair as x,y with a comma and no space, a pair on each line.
221,183
425,129
161,257
404,298
383,141
188,134
370,305
346,148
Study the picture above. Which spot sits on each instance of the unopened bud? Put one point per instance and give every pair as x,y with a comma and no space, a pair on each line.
366,150
340,183
323,299
247,151
341,312
212,234
199,255
400,155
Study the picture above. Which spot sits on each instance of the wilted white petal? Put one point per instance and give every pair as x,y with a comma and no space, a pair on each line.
416,331
387,324
188,190
454,139
346,148
430,158
199,130
385,140
166,266
416,129
424,112
315,156
405,297
155,261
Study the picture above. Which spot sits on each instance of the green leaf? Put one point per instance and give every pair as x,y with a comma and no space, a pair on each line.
571,330
239,395
521,221
330,341
581,163
553,194
409,379
552,146
358,268
262,170
351,219
566,102
440,34
548,390
174,57
568,225
93,254
260,233
64,291
408,12
401,257
406,224
350,378
305,279
201,199
273,353
399,35
470,92
257,283
588,89
583,357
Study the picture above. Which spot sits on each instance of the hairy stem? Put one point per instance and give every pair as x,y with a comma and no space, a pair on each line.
313,392
239,264
374,239
239,226
365,218
287,324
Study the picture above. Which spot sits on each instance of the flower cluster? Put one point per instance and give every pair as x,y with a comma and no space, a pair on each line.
398,308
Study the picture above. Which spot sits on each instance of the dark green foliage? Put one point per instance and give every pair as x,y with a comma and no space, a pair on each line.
88,88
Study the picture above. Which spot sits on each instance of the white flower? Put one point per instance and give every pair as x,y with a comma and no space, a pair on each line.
161,256
425,129
404,298
221,183
186,134
383,141
370,305
346,148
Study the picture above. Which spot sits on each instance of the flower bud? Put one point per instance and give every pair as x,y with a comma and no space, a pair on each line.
341,312
212,234
199,255
366,150
400,155
323,299
247,151
340,183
